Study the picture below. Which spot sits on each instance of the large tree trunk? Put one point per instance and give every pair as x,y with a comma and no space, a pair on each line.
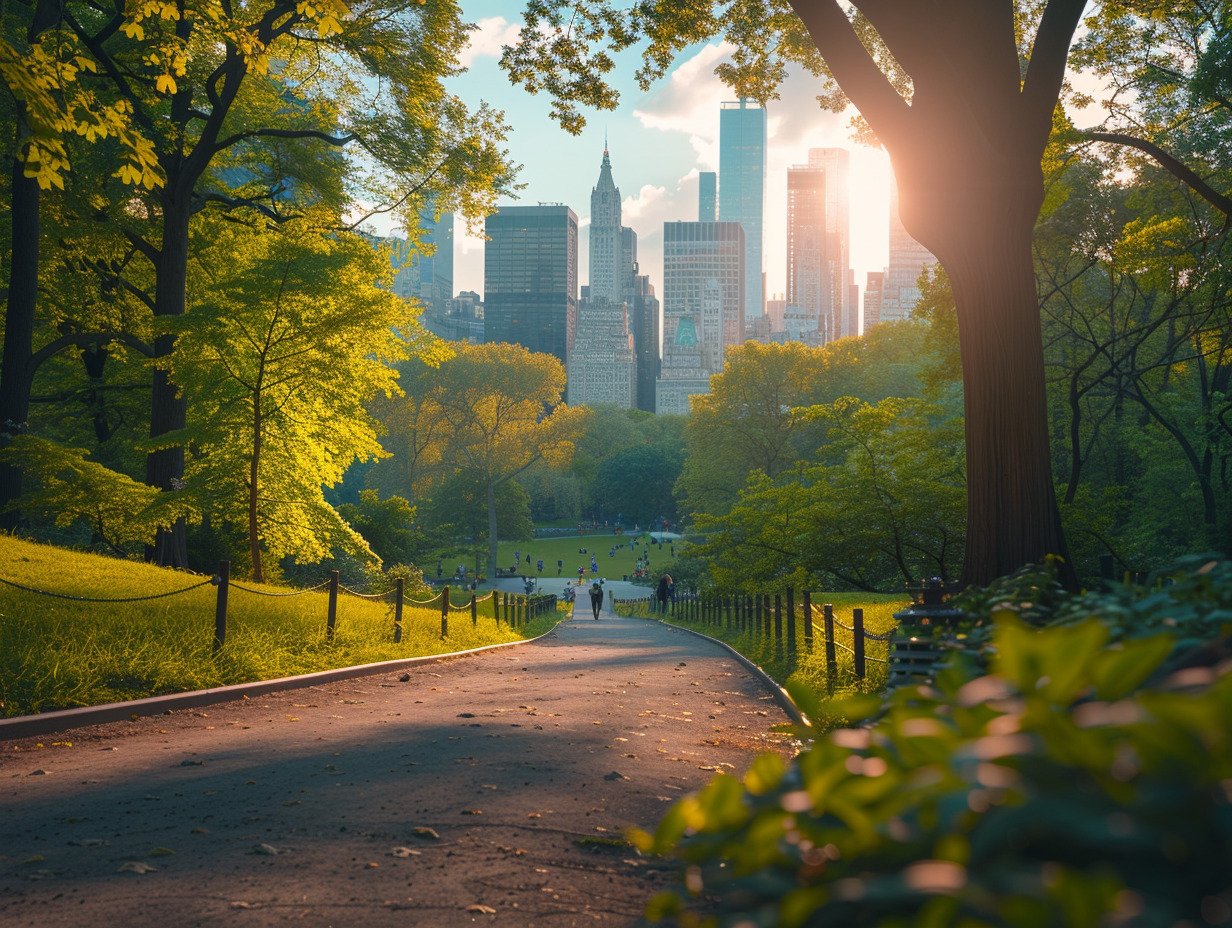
16,375
168,412
1012,516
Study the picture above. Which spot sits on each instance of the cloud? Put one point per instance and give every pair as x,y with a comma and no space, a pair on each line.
689,101
491,34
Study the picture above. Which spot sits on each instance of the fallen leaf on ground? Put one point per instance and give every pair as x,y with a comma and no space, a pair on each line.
422,832
270,850
136,866
614,775
481,909
404,852
472,811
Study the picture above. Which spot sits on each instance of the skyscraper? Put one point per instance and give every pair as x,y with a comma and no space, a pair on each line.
707,196
703,307
819,243
607,279
742,188
602,365
530,277
872,299
907,259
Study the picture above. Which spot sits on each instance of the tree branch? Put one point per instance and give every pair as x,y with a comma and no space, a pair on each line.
1172,165
1046,72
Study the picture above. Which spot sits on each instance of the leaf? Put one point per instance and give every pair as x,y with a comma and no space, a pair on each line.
481,909
136,866
422,831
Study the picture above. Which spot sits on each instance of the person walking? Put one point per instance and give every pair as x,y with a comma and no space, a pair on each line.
661,593
596,598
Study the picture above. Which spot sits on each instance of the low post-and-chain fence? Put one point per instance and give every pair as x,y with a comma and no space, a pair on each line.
526,608
763,616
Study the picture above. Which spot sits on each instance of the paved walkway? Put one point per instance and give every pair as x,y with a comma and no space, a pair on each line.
483,789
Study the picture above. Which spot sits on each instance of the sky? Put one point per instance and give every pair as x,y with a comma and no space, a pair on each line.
658,142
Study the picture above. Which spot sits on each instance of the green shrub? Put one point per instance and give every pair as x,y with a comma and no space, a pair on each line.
1052,776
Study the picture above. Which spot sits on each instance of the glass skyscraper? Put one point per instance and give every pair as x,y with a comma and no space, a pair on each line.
530,277
742,187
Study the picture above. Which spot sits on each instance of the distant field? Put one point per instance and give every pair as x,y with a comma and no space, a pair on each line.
57,653
568,550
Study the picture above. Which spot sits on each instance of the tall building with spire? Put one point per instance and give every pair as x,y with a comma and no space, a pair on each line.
602,353
742,188
607,273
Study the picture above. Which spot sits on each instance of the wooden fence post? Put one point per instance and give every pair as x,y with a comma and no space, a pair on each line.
778,623
857,623
730,601
397,610
474,611
808,621
791,623
332,617
445,612
220,612
831,669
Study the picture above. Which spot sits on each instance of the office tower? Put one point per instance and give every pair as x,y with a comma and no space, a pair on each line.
872,299
742,188
851,321
818,244
602,365
703,307
707,196
907,259
530,285
776,308
606,280
644,323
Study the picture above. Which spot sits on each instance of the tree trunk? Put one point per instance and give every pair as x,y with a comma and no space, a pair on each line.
168,412
15,374
254,468
1012,515
491,530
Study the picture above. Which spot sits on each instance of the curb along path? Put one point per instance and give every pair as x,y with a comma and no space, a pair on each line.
489,789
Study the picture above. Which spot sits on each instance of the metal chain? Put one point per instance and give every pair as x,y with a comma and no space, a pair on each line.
125,599
246,589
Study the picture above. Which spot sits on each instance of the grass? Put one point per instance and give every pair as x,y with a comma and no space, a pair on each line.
808,667
58,653
569,550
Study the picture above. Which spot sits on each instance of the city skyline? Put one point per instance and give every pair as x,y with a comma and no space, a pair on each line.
660,141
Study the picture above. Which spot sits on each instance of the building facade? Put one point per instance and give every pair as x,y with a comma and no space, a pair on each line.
742,188
530,277
819,244
707,196
872,298
908,258
602,365
703,306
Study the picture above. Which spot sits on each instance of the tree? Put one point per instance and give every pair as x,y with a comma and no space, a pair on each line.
458,513
879,508
493,411
637,482
290,336
196,78
961,94
387,525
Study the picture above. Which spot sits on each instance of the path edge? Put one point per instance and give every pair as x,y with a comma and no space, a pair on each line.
46,723
781,697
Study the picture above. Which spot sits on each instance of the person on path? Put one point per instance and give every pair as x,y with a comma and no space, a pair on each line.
596,598
661,593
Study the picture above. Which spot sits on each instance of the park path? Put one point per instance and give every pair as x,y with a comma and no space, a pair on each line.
484,789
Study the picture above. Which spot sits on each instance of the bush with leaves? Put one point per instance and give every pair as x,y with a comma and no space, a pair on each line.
1069,784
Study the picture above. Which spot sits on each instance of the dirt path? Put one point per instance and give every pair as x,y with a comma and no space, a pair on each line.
484,789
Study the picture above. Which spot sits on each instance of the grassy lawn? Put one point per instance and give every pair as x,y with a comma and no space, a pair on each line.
58,653
809,666
568,549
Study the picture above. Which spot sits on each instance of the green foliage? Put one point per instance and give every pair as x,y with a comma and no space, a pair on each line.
290,337
883,505
637,482
386,525
1067,784
67,488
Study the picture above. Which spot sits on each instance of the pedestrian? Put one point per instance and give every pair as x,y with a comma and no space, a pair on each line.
661,593
539,564
596,598
560,567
